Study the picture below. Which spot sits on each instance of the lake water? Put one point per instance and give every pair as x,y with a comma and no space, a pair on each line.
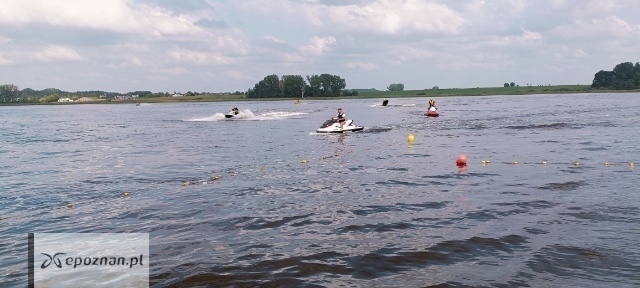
367,209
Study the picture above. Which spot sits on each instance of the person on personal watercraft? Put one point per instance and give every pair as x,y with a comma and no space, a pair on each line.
432,103
341,117
235,110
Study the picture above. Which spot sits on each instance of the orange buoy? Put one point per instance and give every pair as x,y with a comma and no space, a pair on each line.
461,160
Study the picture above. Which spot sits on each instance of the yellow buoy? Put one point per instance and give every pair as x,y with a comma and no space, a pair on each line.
577,164
410,138
126,194
515,162
606,163
631,164
69,205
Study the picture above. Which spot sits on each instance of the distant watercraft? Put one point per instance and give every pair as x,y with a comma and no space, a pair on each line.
233,112
433,112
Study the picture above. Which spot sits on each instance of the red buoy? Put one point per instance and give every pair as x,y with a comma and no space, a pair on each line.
461,160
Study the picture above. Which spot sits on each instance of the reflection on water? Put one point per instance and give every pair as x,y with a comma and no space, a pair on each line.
547,199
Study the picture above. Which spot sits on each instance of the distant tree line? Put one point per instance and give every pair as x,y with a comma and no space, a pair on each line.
512,84
10,93
623,77
395,87
296,86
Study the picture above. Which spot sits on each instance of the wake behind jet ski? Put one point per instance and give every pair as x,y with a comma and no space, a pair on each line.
338,124
233,112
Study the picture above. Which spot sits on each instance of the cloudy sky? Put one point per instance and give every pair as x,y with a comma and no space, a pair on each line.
230,45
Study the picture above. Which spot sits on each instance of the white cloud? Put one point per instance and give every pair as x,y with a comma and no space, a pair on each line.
451,42
174,71
4,61
4,40
128,60
55,53
273,39
406,53
389,17
486,61
530,36
598,28
237,75
199,58
579,53
527,38
112,15
566,53
394,17
362,66
318,46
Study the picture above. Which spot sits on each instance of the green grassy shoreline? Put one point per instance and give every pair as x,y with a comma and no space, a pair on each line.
452,92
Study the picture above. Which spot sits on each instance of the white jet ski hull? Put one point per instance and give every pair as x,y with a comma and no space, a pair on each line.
334,127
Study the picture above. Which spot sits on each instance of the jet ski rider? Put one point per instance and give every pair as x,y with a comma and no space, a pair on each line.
341,117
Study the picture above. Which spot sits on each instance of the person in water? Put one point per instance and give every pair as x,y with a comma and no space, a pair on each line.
341,117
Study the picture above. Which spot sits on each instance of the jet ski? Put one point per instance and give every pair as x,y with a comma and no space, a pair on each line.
332,126
433,112
233,112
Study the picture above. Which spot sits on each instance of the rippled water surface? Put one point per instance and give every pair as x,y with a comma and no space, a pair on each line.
292,208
